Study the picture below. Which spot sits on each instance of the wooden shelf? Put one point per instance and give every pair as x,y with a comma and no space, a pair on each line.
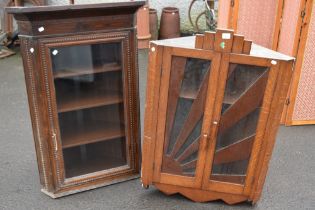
95,164
91,132
192,95
84,71
87,99
230,99
188,94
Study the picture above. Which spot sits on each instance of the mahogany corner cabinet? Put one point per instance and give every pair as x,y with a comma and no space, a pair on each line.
80,64
213,107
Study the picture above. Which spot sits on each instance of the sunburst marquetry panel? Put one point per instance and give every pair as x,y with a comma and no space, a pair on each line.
243,97
186,102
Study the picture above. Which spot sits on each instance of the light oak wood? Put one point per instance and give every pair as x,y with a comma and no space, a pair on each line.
209,39
191,168
238,44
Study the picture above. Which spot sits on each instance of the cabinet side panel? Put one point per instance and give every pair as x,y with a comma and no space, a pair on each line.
271,129
151,107
304,109
36,111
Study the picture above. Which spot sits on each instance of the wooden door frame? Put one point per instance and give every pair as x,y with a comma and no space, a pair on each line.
61,183
168,53
224,187
301,34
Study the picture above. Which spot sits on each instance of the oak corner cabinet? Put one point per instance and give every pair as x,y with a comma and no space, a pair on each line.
213,108
80,64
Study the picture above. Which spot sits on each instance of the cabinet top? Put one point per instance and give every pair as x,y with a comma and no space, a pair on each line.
70,8
256,50
75,19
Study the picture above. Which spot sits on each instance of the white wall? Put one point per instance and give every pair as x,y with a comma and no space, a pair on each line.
157,4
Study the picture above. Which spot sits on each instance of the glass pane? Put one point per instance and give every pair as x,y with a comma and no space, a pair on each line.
186,101
89,92
241,107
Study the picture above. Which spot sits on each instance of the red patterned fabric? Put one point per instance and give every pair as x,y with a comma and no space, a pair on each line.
256,20
223,15
288,27
305,101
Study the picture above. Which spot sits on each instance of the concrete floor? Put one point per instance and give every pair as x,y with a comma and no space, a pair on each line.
290,183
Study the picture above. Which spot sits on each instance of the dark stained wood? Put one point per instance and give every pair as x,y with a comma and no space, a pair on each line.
45,28
76,7
67,102
239,150
91,133
97,17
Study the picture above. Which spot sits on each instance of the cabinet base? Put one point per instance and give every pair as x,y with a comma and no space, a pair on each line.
63,193
200,195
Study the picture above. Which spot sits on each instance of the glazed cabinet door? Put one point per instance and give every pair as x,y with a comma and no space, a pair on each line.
238,126
182,131
91,116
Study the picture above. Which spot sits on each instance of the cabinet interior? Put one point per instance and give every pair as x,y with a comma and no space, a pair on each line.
243,97
88,83
186,100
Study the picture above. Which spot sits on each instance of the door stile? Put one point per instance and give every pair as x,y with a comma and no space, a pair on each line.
152,99
208,115
54,131
272,126
161,118
39,105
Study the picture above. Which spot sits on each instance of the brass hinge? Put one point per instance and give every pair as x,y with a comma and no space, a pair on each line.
232,3
287,101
